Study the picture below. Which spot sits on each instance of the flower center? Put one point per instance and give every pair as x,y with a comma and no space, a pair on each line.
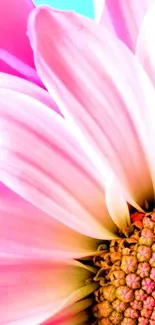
126,275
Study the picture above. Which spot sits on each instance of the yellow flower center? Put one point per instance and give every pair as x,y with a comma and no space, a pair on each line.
126,276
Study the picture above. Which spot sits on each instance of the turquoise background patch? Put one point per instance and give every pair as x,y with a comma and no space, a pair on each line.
83,7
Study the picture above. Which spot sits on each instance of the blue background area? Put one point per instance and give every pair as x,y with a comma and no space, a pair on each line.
84,7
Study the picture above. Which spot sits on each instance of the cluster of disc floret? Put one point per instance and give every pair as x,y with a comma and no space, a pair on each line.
126,275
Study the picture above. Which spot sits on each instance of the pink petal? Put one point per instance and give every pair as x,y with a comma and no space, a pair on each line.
29,232
23,86
43,163
12,65
123,18
99,86
99,6
14,15
73,314
117,206
78,319
15,52
31,291
146,43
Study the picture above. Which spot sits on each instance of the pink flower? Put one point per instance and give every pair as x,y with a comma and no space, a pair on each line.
65,183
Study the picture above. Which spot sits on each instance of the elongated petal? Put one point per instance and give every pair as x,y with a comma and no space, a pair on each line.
78,319
15,52
123,18
23,86
10,64
146,43
29,232
14,15
73,314
31,291
99,6
43,163
116,205
99,86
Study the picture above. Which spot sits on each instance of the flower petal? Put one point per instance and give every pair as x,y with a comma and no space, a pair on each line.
29,232
31,291
99,86
12,65
121,17
23,86
78,319
15,52
73,314
117,206
43,163
99,6
13,37
146,44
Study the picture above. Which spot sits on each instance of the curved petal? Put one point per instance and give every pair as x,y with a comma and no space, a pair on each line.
123,18
29,232
31,291
23,86
73,314
145,50
99,86
78,319
12,65
42,162
15,52
117,206
99,6
13,23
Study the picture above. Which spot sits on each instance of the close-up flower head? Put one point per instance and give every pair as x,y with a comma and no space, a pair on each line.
77,164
